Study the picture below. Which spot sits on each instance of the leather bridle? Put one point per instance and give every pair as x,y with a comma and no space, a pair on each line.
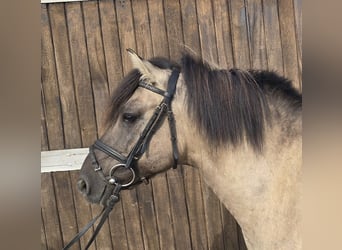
128,162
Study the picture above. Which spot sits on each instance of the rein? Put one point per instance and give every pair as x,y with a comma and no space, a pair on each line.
127,162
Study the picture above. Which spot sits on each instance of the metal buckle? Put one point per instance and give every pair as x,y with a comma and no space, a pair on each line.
98,168
112,179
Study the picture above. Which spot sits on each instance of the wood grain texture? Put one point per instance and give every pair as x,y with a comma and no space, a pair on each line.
207,31
240,36
158,28
272,36
178,209
97,63
103,239
126,32
230,230
148,216
142,28
117,228
255,22
190,26
65,205
81,73
194,198
213,218
43,243
242,243
44,144
71,127
49,212
52,103
111,43
288,41
297,4
161,200
133,228
223,33
174,28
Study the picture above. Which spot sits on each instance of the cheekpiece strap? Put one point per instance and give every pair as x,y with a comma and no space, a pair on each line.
171,85
171,88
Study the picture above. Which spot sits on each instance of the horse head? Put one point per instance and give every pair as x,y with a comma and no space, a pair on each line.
140,136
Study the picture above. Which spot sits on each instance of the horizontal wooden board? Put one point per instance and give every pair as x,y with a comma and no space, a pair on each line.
62,160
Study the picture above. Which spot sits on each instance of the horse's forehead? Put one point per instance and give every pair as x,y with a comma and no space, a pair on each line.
157,77
143,97
162,75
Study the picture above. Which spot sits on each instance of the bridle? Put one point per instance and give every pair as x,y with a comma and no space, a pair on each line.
128,162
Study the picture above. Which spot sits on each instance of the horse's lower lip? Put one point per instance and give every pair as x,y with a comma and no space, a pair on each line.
105,195
103,200
97,199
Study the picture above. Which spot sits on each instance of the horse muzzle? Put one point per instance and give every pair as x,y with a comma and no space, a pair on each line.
97,187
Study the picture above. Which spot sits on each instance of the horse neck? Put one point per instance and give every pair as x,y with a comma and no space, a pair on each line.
260,190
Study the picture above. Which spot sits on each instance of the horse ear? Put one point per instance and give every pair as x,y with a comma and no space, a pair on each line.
147,69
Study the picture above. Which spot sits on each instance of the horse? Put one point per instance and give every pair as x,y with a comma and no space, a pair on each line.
242,129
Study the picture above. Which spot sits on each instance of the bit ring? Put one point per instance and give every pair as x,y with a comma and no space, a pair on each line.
112,171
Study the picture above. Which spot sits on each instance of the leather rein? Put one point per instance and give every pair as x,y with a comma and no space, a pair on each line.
162,110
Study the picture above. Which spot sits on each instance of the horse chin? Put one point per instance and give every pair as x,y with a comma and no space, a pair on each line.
103,200
97,199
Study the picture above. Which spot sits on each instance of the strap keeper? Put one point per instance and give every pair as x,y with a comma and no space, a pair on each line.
167,94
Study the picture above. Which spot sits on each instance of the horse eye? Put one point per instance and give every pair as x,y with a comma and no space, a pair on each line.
129,117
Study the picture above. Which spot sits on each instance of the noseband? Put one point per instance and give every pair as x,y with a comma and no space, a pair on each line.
128,162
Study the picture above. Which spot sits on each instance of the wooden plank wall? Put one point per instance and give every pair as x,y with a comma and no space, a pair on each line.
83,58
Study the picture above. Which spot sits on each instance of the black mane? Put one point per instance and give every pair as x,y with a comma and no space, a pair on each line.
229,106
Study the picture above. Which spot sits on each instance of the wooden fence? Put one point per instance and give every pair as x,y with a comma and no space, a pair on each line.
83,58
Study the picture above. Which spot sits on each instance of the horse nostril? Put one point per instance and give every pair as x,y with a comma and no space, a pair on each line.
82,186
